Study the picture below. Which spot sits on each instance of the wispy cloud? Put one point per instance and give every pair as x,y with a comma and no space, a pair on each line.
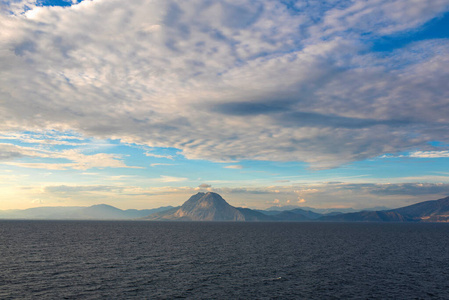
10,151
160,164
171,179
234,167
420,154
159,155
78,160
46,166
429,154
63,189
44,138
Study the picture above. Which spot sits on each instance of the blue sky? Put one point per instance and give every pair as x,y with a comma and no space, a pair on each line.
307,103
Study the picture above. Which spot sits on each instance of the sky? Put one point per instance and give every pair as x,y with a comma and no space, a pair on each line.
140,104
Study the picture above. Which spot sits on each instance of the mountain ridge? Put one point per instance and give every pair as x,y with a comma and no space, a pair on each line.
212,207
426,211
94,212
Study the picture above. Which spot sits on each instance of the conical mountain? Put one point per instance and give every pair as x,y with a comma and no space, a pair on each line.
202,207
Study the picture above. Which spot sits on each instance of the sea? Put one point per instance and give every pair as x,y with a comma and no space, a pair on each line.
210,260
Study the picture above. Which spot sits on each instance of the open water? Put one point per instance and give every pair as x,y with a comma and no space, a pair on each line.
152,260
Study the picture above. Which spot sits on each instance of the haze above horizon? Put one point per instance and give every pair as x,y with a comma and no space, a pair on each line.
141,104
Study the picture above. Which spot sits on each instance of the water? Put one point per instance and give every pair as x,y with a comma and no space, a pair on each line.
151,260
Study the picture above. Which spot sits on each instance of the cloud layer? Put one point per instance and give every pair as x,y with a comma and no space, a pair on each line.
229,80
71,159
358,196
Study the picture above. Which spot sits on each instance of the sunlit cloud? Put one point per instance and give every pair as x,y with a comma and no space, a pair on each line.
159,155
160,164
79,161
171,179
234,167
429,154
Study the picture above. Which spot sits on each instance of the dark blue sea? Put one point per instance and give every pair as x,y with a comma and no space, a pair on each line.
152,260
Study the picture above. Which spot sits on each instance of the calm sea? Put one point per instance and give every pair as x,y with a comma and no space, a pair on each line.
152,260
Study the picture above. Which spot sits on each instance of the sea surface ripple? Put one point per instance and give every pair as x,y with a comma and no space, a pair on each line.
193,260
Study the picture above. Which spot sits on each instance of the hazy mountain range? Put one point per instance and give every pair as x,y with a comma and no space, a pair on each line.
212,207
325,211
94,212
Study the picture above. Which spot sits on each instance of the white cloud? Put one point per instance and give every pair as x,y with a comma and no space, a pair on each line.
171,179
120,177
307,191
78,160
99,160
276,85
46,166
204,187
44,139
82,191
380,16
160,164
37,201
10,151
429,154
234,167
159,156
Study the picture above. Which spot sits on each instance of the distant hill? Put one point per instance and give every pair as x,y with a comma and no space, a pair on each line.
289,216
94,212
368,216
253,215
322,211
296,214
427,211
306,213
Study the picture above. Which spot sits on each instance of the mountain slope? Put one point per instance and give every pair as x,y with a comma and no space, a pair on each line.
139,213
253,215
427,211
368,216
290,216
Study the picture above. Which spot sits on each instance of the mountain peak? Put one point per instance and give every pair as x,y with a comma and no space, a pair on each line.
206,194
103,206
208,206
